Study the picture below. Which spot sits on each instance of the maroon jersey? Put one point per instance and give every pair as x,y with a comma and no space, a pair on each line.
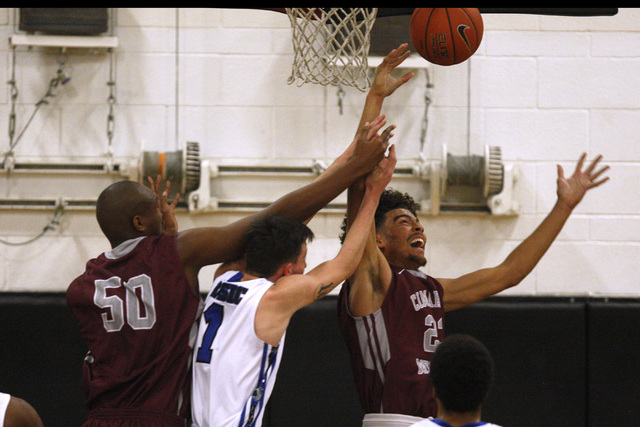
390,349
137,313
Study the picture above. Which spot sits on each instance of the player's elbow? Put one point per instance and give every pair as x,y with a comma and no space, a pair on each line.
512,275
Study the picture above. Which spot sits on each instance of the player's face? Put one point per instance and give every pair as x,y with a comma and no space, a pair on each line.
300,265
402,240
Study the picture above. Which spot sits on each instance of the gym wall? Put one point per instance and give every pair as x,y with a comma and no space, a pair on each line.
543,88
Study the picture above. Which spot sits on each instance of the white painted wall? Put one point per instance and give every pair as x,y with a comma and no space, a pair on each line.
542,88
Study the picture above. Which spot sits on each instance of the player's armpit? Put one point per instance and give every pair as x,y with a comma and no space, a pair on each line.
369,284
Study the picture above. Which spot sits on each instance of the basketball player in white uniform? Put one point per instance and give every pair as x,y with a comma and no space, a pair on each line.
16,412
246,314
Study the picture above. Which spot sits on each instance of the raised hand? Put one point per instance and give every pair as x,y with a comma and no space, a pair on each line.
169,221
380,177
384,84
369,147
571,190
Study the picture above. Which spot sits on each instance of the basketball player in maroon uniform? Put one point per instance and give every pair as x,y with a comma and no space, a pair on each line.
391,314
137,304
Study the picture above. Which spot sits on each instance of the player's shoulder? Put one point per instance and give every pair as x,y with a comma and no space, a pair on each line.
427,422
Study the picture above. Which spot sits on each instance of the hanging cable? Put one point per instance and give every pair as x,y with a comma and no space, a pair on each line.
425,117
341,93
61,78
111,101
12,114
55,221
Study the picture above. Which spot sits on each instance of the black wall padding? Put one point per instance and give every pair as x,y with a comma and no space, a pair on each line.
41,353
539,349
559,362
614,363
314,385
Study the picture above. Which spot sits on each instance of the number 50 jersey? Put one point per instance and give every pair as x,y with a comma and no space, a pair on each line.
137,314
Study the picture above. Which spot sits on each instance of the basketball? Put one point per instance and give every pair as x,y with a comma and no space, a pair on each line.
446,36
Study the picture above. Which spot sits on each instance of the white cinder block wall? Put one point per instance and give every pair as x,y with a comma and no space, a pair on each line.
543,88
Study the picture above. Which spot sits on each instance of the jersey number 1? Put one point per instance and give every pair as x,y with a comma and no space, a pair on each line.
213,316
136,317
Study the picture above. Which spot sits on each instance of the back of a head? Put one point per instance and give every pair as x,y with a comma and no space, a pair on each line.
21,414
461,372
390,199
117,205
273,241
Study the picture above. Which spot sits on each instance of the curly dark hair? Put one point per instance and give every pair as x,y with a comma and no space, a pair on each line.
461,373
390,199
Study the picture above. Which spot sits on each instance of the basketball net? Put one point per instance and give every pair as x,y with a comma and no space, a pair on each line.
331,45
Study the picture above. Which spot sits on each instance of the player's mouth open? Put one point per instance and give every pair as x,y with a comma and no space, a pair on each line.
417,242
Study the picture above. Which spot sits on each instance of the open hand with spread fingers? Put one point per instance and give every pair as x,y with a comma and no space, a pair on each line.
571,190
169,221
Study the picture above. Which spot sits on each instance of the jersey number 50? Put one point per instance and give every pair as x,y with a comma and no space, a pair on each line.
139,302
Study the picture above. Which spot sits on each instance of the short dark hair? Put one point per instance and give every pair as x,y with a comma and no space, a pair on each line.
273,241
461,371
118,204
390,199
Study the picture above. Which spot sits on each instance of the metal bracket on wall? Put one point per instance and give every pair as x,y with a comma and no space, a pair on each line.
481,184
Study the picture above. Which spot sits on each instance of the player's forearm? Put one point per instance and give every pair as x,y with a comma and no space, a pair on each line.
528,253
326,276
305,202
372,109
355,193
356,239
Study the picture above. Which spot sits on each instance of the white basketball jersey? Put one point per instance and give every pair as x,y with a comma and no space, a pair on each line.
233,370
4,403
430,422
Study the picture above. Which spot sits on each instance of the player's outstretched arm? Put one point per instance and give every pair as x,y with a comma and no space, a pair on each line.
384,83
340,161
368,284
290,293
476,286
211,245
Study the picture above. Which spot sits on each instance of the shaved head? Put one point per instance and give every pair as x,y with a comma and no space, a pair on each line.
118,205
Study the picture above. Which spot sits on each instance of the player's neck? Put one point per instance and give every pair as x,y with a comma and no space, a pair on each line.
247,275
459,418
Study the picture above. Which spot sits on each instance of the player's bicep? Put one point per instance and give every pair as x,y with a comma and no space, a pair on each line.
212,245
473,287
278,304
369,283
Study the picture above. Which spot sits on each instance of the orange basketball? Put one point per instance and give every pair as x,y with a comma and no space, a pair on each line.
446,36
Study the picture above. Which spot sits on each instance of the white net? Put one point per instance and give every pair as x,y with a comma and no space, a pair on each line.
331,45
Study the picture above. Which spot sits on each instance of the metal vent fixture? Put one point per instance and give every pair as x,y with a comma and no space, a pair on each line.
181,168
485,172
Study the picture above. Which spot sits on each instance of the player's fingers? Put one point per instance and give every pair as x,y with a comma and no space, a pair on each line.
593,164
599,172
580,163
387,133
599,182
373,131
